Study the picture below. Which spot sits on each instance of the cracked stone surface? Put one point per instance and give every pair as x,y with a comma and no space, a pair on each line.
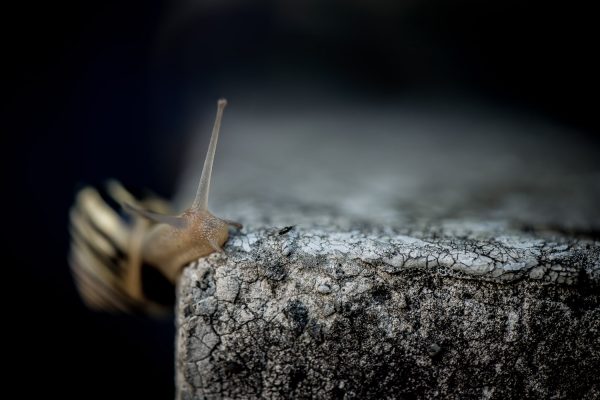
359,312
481,286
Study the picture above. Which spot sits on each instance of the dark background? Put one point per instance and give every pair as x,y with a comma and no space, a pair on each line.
98,89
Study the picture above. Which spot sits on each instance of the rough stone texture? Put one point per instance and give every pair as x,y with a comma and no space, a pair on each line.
465,286
322,313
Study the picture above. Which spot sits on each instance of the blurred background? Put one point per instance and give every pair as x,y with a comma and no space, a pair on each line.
117,89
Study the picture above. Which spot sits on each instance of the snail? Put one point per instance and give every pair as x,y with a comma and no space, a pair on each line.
108,254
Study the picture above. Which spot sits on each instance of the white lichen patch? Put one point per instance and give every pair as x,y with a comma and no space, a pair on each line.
505,258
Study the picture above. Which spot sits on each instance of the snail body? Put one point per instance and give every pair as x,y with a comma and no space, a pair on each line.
107,254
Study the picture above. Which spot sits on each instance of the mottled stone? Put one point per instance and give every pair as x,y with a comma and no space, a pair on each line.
432,255
361,314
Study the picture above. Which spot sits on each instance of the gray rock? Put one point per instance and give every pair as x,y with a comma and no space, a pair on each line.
361,313
461,287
